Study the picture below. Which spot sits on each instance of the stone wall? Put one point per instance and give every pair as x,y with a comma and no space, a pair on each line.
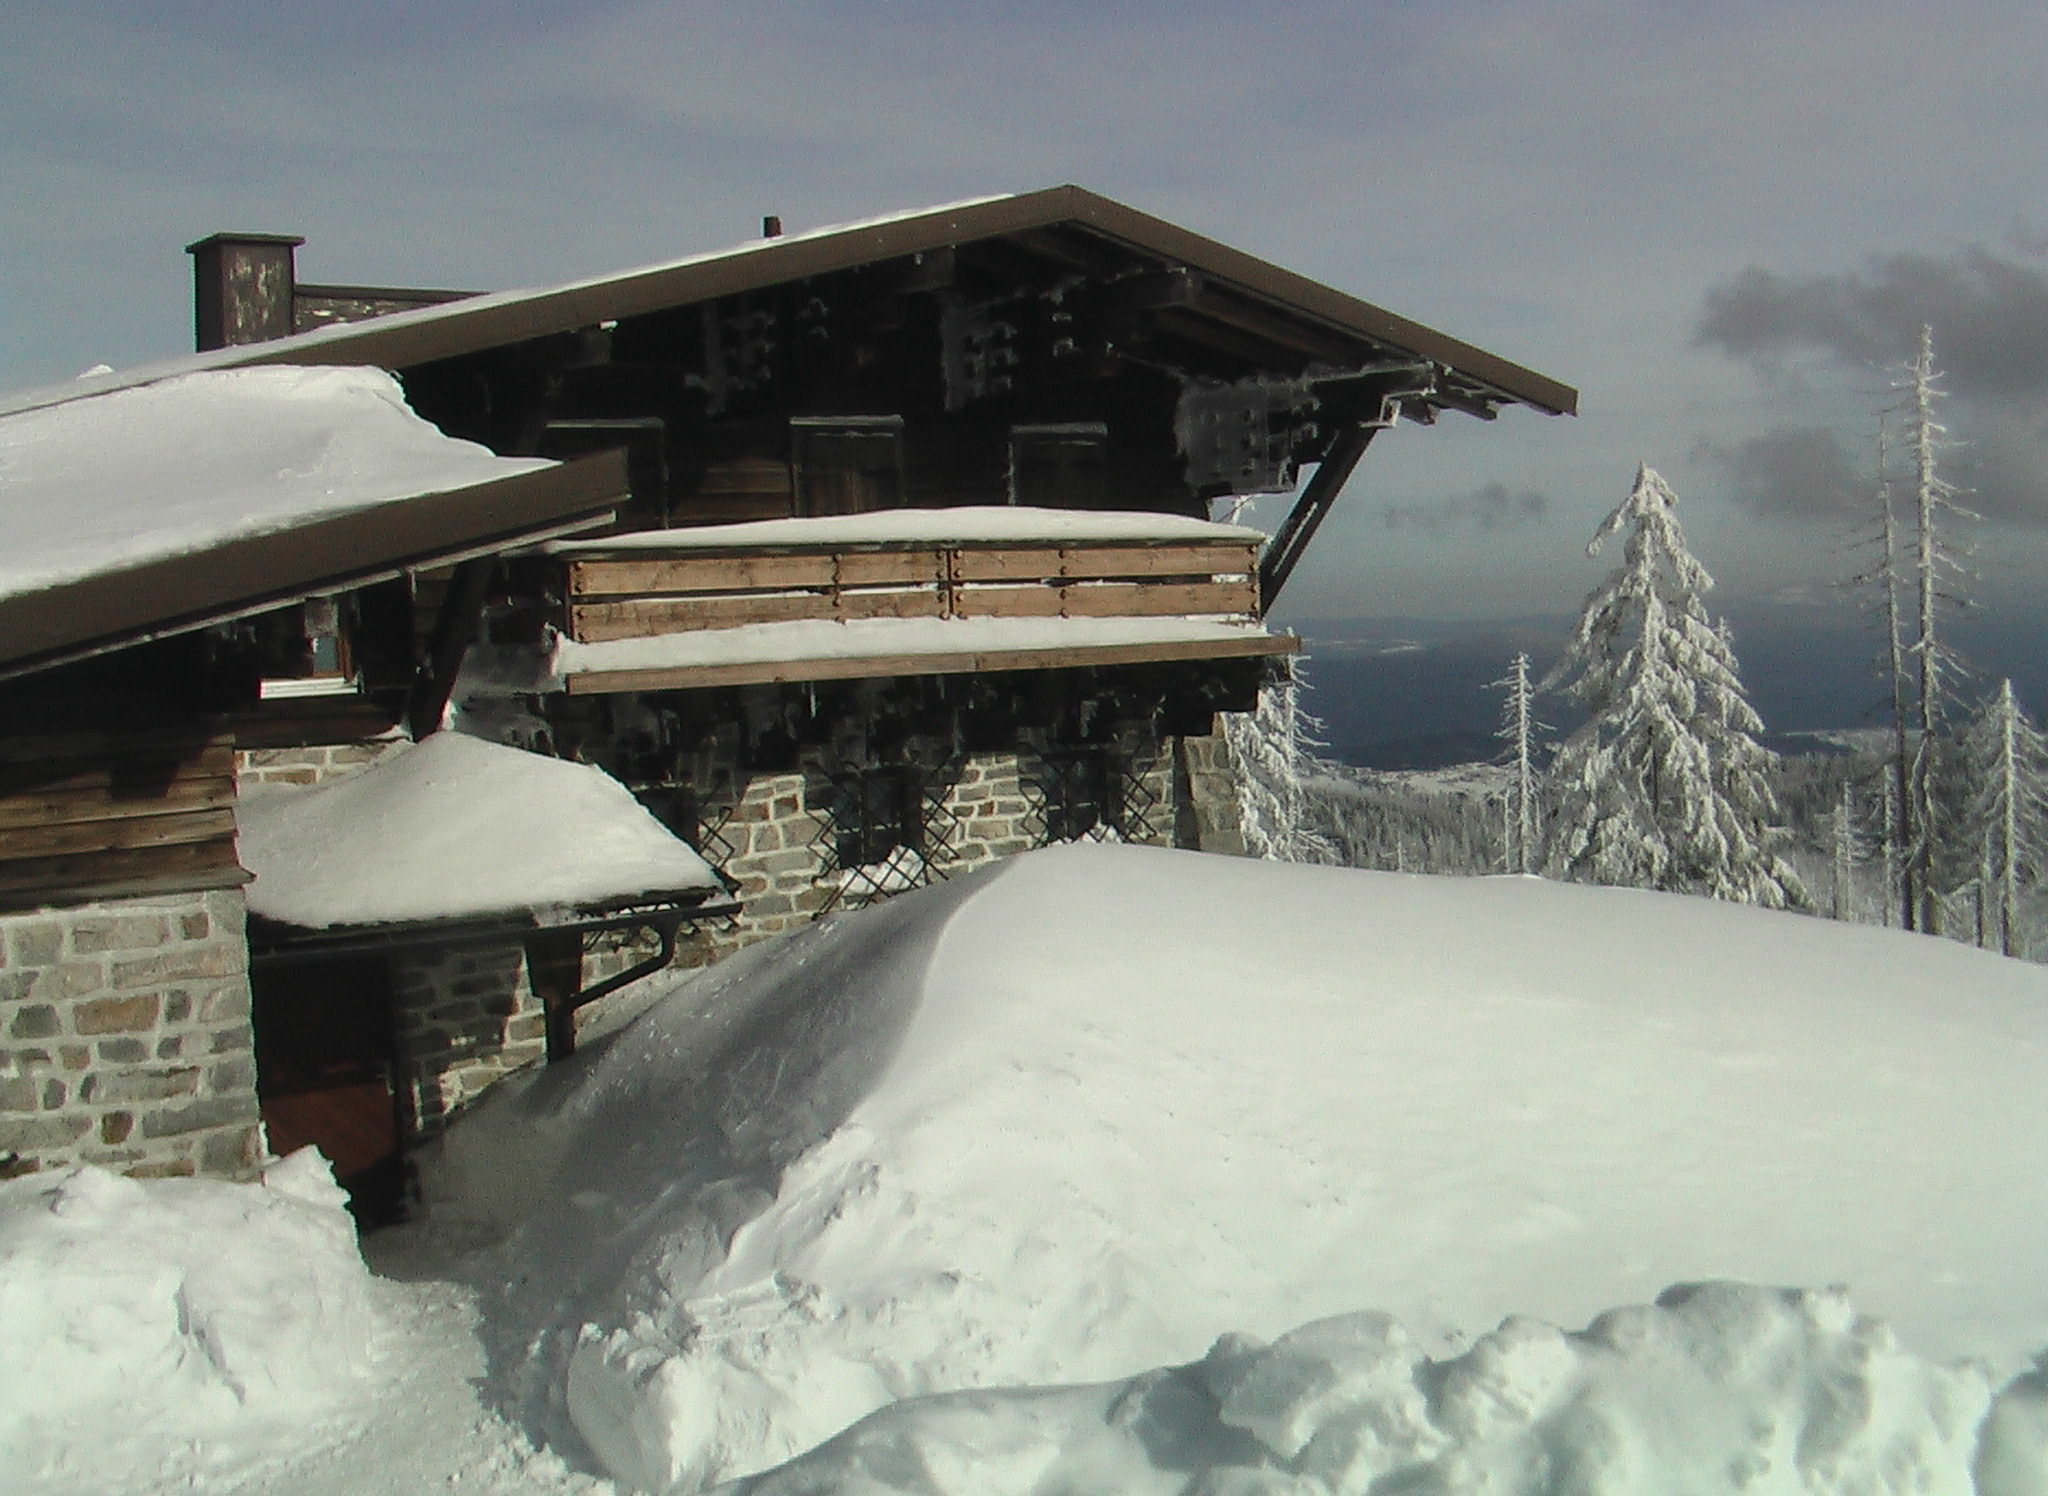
125,1038
465,1019
309,765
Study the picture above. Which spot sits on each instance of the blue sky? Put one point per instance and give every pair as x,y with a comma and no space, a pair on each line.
1720,221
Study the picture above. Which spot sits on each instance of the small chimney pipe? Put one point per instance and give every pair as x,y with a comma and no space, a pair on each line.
771,226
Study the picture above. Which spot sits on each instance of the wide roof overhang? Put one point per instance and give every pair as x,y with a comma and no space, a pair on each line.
1212,292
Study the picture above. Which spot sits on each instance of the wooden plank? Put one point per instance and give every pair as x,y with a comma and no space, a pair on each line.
921,603
60,778
168,829
705,677
39,880
1107,600
745,475
676,574
1033,563
1201,560
92,747
72,803
618,577
644,618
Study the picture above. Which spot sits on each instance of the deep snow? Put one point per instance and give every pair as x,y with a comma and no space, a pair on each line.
1027,1168
1083,1114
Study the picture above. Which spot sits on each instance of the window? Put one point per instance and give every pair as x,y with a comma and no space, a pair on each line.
304,651
846,464
1060,466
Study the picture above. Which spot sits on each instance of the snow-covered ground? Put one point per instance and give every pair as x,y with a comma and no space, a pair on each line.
1120,1169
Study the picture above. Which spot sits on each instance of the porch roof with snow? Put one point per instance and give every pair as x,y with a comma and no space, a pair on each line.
139,512
454,828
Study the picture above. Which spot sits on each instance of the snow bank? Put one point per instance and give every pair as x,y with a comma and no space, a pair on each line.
1718,1387
1085,1113
985,523
455,826
141,1316
98,484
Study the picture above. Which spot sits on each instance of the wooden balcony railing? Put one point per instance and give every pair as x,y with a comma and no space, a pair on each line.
649,594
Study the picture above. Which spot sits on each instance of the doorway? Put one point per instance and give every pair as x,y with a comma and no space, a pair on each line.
326,1071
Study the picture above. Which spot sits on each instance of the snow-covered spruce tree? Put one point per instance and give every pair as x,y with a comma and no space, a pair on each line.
1521,851
2007,761
1665,785
1270,746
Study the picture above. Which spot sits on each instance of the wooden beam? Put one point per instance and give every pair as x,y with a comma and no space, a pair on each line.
174,828
1109,600
1295,532
704,677
71,802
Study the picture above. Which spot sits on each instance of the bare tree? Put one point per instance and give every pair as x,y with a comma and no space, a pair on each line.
1520,851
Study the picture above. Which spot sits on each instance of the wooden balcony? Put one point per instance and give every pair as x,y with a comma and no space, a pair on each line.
752,603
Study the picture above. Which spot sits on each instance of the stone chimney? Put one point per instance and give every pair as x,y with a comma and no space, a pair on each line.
243,288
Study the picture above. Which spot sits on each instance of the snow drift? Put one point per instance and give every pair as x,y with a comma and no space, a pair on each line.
173,1311
1717,1387
1078,1117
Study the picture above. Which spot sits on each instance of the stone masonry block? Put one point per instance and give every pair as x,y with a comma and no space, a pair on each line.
228,1040
29,1134
71,979
184,965
115,1127
229,1000
231,1075
116,1015
37,944
215,1111
125,932
20,1093
195,926
36,1022
170,1168
123,1051
128,1087
235,1150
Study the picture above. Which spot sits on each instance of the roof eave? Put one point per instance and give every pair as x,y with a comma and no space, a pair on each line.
253,574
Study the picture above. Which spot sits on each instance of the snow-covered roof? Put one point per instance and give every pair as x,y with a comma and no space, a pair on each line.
997,524
454,827
137,475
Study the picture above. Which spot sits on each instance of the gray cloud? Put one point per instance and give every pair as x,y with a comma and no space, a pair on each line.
1799,473
1489,508
1989,313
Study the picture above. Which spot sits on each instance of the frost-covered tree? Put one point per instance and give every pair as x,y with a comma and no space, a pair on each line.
1845,851
1665,786
1271,749
1939,571
1521,839
2007,761
1886,579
